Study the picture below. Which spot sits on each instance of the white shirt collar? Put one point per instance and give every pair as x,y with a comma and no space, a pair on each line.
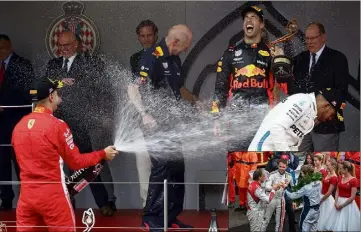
318,54
70,62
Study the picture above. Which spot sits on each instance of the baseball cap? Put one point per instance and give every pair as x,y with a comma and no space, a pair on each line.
335,98
44,87
255,9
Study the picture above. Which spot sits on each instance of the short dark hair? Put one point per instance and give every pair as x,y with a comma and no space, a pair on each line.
257,174
147,23
282,161
5,37
319,25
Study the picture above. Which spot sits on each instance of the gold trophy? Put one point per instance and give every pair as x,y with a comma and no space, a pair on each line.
292,28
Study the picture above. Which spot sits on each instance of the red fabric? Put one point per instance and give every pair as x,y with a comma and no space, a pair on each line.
243,169
242,196
355,157
2,73
231,179
271,85
41,142
344,189
327,182
231,186
253,186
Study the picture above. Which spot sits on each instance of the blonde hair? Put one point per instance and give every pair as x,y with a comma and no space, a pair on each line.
319,156
349,166
334,164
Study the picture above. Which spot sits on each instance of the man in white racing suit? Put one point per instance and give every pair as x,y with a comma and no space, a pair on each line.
311,198
257,200
278,181
289,121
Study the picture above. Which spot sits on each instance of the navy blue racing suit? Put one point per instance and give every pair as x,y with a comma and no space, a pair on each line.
159,80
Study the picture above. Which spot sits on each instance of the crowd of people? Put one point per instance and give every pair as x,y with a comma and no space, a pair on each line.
327,189
250,73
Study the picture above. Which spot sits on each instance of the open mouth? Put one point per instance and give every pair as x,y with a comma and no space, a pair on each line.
249,28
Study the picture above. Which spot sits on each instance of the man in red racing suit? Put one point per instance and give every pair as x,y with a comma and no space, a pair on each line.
245,85
41,143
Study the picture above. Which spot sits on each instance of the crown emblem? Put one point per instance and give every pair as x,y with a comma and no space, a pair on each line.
73,8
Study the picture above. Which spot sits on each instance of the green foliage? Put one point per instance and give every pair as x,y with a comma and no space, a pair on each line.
306,180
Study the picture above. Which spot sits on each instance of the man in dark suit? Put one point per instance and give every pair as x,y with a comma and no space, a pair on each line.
320,67
16,75
81,97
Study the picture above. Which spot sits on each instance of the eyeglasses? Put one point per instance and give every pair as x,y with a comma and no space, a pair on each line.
312,38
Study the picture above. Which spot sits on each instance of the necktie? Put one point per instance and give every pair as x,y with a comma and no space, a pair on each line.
65,67
2,72
313,62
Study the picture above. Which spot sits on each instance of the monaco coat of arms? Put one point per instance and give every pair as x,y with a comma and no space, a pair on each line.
73,20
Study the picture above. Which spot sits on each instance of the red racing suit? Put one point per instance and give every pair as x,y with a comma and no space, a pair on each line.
41,143
243,74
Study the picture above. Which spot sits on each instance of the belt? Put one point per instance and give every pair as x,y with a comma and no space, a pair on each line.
353,161
243,162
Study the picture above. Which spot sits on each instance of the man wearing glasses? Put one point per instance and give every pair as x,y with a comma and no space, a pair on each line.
317,68
82,96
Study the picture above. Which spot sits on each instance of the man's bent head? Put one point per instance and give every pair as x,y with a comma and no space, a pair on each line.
179,39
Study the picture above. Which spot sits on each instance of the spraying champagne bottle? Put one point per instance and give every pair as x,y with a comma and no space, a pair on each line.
82,177
213,226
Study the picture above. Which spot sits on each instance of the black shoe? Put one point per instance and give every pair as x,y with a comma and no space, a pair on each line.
106,211
176,224
112,205
6,206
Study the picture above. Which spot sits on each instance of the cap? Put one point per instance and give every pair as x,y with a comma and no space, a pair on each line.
336,99
255,9
43,87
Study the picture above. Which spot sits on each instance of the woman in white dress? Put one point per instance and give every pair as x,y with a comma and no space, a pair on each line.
345,215
329,184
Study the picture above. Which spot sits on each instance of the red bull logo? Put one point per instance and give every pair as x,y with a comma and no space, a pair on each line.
249,83
250,71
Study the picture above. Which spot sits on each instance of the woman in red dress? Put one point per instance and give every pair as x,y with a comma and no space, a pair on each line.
329,184
345,215
318,159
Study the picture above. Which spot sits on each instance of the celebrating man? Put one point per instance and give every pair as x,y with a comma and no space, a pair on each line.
288,122
41,143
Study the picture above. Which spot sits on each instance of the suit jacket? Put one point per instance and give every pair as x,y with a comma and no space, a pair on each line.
85,101
330,71
15,90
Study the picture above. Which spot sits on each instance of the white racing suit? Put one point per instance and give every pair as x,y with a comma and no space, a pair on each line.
278,202
286,124
257,201
311,209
